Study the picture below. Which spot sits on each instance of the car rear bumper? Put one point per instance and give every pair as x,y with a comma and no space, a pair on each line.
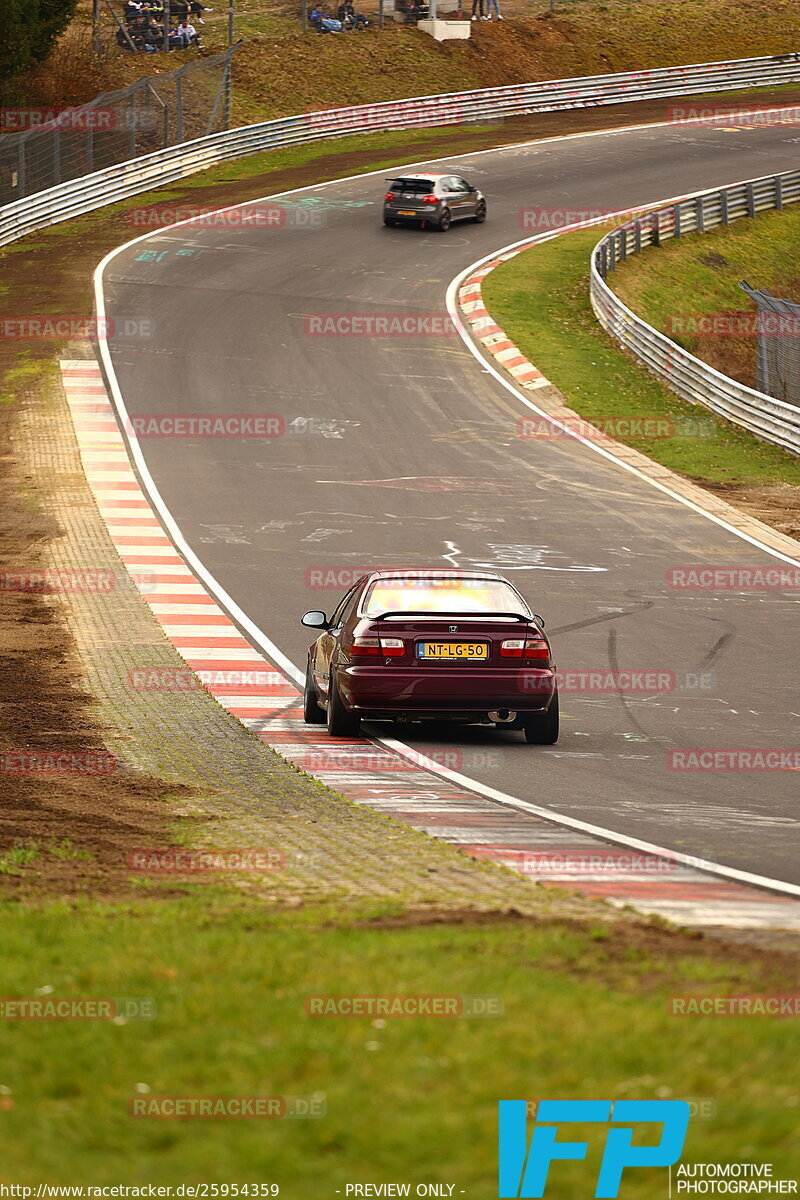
412,212
407,691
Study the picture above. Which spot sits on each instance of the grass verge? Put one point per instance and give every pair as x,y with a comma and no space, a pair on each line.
585,1014
541,299
708,268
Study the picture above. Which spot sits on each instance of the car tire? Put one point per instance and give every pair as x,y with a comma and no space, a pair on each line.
313,712
445,221
541,729
341,723
389,221
480,213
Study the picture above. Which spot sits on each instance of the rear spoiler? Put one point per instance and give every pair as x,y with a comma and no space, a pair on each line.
411,612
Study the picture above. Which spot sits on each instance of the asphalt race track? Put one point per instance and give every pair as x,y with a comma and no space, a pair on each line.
403,451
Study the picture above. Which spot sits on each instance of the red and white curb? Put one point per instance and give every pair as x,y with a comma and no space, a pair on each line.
486,330
249,687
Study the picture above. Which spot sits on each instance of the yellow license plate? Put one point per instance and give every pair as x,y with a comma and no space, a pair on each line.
453,651
405,212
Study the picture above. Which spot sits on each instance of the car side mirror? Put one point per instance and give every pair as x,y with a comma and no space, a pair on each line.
316,619
539,620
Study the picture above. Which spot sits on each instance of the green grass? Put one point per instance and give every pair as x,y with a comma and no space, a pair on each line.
18,857
707,268
585,1015
541,299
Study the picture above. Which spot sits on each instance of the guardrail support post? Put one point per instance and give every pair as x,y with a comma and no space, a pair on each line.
21,168
623,244
656,227
179,106
751,200
612,262
637,237
700,214
132,120
778,192
723,207
677,220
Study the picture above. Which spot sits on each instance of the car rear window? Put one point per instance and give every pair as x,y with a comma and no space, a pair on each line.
442,595
419,187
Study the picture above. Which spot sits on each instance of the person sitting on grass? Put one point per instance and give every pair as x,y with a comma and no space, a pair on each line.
350,18
188,34
324,23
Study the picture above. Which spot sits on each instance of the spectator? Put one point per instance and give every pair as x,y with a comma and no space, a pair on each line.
478,11
197,8
493,4
321,21
188,34
154,35
349,18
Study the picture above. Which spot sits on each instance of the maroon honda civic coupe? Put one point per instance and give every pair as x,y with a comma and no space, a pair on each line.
426,644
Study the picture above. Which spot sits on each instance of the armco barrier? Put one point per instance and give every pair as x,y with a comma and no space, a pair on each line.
690,377
165,166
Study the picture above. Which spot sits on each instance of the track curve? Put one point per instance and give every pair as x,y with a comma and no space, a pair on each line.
414,459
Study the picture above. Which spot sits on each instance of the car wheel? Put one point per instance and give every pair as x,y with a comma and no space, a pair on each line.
341,723
313,713
445,221
541,729
480,213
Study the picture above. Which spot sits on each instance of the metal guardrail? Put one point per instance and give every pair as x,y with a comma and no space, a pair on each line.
773,420
127,179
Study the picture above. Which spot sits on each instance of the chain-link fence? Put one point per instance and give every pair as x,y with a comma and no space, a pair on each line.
778,352
151,114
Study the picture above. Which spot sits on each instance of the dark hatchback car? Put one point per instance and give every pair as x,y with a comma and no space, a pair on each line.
432,645
431,199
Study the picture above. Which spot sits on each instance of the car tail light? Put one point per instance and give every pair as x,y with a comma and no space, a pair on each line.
528,649
389,196
430,199
392,647
363,647
372,647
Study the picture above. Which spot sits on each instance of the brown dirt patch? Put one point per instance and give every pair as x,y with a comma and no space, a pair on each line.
43,710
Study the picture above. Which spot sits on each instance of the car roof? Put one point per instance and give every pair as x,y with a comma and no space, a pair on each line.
418,175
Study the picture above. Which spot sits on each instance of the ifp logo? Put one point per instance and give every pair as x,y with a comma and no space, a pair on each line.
524,1169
